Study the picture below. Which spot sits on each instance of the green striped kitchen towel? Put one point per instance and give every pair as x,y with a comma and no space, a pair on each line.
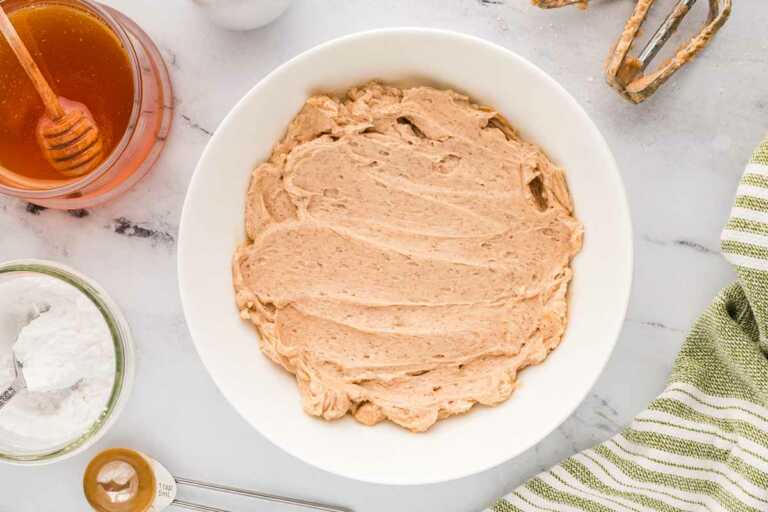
703,444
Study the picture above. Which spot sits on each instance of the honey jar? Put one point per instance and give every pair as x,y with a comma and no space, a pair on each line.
91,54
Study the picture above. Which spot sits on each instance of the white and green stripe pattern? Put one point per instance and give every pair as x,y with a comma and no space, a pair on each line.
703,444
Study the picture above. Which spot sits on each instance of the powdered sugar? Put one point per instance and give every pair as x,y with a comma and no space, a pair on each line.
68,358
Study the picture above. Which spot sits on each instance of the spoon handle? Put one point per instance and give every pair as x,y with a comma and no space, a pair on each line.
250,494
10,392
49,97
194,506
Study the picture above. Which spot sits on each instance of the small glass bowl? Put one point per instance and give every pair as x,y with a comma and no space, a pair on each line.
148,127
124,362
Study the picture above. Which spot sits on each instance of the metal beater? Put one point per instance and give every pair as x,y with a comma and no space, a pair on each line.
628,74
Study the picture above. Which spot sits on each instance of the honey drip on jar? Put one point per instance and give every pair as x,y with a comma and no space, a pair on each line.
82,59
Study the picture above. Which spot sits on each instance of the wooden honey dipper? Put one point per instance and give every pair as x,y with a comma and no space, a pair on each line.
67,134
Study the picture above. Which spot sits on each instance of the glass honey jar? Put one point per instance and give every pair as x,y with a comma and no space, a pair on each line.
91,54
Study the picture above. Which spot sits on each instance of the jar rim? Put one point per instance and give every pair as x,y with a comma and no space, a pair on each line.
70,187
124,358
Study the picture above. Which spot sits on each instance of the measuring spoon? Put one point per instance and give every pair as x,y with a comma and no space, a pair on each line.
124,480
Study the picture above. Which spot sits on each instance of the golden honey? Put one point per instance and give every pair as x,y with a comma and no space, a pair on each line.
83,60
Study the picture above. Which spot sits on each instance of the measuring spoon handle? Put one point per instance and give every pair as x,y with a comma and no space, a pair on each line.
250,494
194,506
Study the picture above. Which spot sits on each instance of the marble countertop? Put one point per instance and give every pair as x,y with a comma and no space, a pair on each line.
680,155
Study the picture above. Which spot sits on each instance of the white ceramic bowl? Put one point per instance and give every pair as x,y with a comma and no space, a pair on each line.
212,226
243,14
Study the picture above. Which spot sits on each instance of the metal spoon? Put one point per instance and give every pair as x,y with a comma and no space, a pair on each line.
120,479
19,383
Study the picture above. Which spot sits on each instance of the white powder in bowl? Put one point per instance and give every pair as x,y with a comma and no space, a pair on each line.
68,358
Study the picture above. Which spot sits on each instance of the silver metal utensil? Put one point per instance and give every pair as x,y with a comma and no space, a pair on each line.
664,32
633,77
120,479
249,494
19,383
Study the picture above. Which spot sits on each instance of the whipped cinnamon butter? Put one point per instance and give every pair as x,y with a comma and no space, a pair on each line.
407,255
